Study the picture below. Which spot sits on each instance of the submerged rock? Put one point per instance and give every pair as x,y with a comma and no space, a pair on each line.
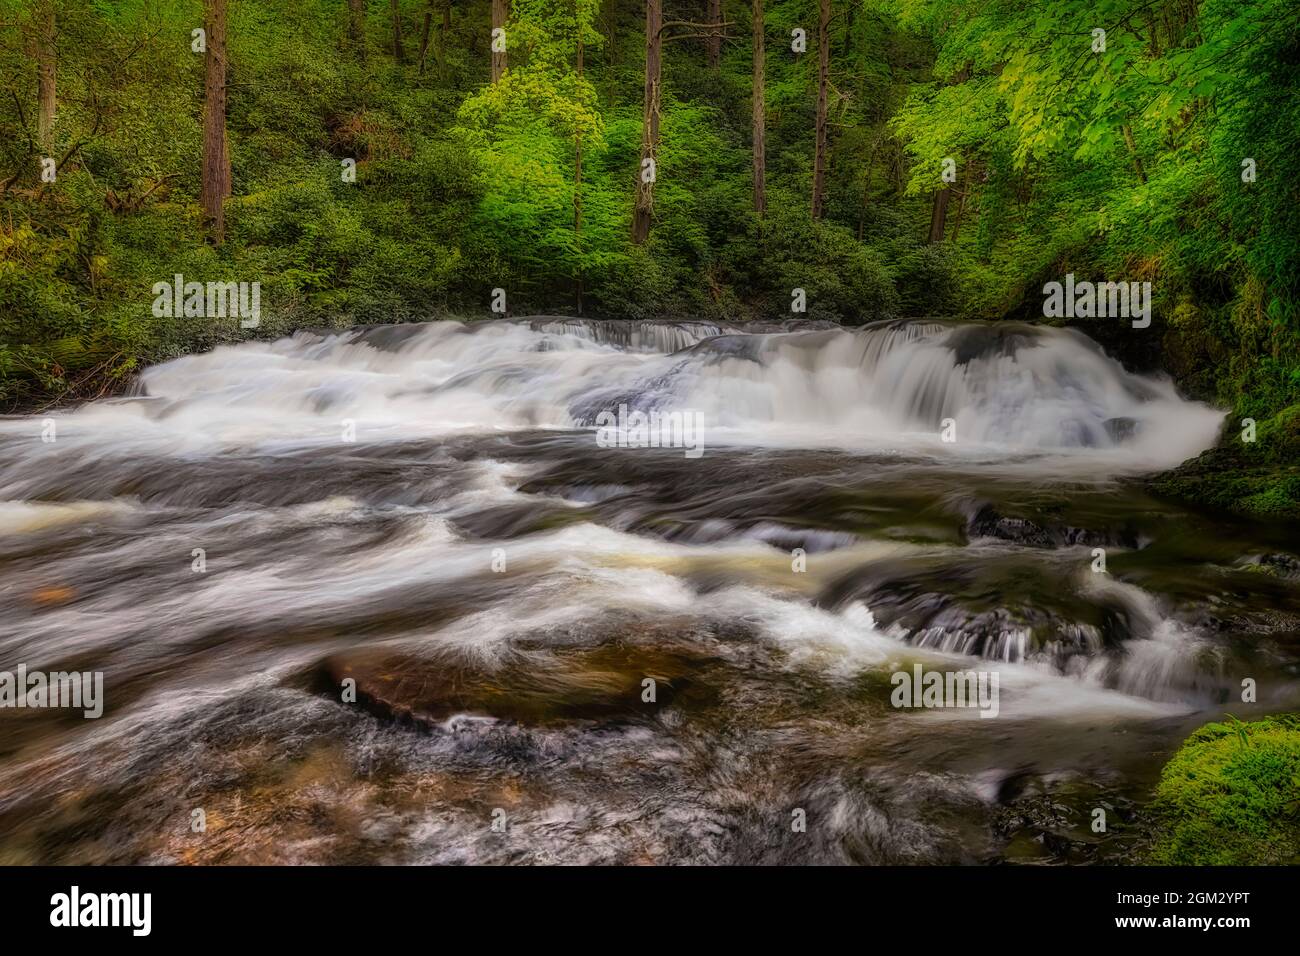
1120,429
531,685
988,522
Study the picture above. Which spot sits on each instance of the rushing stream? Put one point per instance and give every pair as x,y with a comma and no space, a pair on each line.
441,517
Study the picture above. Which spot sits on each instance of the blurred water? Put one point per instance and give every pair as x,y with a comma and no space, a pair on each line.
425,510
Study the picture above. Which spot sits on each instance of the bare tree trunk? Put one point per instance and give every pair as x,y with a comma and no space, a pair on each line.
760,113
425,31
442,39
216,161
939,214
398,53
961,208
644,210
46,66
823,82
500,11
577,181
715,35
357,27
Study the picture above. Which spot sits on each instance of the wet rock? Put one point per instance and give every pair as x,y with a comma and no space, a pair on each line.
531,685
1120,429
1050,822
1009,610
1283,565
988,522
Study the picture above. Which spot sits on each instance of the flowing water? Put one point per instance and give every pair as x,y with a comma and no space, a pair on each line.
396,595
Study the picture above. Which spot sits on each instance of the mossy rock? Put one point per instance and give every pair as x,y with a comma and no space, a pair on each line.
1230,796
1260,479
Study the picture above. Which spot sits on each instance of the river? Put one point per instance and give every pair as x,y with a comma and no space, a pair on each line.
401,594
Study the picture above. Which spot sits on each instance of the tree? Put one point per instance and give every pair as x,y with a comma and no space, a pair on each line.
643,212
398,53
500,12
938,214
531,136
357,27
760,113
715,34
426,29
440,44
216,162
45,75
577,166
821,129
939,210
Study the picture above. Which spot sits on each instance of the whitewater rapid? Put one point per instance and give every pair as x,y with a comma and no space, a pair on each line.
978,390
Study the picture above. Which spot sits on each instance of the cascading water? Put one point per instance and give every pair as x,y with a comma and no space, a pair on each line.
893,385
429,512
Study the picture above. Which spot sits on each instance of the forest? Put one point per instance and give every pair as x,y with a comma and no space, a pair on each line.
391,160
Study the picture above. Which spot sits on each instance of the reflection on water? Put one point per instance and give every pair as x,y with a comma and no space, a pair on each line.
371,650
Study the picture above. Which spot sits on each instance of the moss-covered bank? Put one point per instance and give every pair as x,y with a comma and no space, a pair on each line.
1256,479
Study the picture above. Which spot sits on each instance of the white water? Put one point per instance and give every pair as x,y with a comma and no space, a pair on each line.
1020,397
1008,390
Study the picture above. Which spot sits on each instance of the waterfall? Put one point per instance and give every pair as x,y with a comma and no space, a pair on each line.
939,388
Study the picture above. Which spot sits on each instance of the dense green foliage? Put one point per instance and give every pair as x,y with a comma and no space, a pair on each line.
1231,796
1123,164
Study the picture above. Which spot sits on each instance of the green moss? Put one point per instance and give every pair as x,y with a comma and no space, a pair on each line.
1259,479
1231,796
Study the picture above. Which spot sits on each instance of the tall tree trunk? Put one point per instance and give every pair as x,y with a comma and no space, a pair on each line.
500,11
823,82
760,113
216,160
939,211
442,39
715,34
357,27
398,53
46,65
425,30
961,210
577,179
644,210
939,214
